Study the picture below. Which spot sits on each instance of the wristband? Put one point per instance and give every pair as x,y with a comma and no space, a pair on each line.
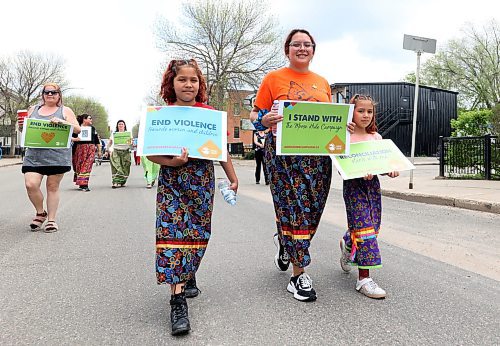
258,122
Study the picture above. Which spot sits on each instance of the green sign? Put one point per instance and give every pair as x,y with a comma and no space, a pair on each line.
122,138
313,128
371,157
45,134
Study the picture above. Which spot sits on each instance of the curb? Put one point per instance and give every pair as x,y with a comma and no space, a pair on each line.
11,164
489,207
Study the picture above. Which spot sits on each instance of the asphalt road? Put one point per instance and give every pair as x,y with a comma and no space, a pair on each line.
93,282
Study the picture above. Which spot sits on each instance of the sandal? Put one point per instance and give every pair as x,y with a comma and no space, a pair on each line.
38,221
51,227
114,186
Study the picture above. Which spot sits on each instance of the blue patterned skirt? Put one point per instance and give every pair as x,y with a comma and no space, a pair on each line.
299,186
184,204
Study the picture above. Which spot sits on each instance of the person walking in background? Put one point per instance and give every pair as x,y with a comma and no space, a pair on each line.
184,200
259,138
119,158
363,202
84,152
137,159
52,163
299,184
151,170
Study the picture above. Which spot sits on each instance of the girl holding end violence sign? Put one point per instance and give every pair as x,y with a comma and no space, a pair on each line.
184,201
299,184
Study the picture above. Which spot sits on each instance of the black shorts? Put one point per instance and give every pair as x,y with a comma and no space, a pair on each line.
46,170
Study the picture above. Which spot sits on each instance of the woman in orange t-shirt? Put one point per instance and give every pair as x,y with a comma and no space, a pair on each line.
299,184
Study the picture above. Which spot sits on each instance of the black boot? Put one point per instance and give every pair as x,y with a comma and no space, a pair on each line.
179,314
190,288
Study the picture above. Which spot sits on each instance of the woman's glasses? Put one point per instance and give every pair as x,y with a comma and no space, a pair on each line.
50,92
298,45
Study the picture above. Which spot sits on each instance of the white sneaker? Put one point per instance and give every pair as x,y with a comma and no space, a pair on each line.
370,288
301,287
344,257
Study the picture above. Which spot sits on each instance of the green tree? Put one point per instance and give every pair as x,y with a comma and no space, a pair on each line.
495,120
87,105
235,42
472,123
22,77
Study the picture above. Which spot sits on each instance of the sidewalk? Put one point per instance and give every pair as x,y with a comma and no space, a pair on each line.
4,161
481,195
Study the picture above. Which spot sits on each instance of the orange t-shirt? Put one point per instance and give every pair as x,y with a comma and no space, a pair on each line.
287,84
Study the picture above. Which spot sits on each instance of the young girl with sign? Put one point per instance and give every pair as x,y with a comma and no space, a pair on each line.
184,201
363,203
120,158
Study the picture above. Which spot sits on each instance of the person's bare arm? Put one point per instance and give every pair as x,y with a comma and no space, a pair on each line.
230,173
69,119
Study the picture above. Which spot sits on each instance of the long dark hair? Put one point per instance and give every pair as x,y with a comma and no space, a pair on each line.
80,118
121,121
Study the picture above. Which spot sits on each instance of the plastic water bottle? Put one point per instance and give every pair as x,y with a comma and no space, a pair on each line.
228,194
275,107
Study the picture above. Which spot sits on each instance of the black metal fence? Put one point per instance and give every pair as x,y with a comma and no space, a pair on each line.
469,157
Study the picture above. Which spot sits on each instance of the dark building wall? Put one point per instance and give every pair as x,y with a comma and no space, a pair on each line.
394,112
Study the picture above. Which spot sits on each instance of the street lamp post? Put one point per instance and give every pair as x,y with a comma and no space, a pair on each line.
419,45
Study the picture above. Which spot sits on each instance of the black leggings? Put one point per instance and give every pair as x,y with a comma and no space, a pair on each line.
259,159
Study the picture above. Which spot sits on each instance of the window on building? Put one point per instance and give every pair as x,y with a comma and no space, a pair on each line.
236,132
236,109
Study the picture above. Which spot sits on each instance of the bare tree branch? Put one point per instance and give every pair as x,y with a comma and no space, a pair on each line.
235,42
21,79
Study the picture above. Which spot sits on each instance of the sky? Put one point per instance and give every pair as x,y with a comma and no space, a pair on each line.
110,51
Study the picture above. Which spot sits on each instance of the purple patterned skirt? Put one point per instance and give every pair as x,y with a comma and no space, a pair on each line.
363,203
